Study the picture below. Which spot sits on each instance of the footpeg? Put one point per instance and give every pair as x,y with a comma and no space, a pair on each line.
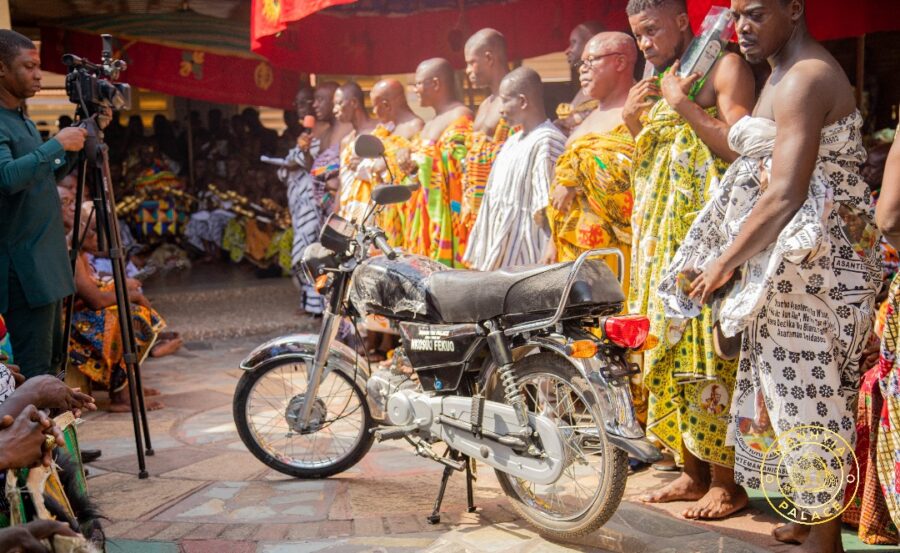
393,432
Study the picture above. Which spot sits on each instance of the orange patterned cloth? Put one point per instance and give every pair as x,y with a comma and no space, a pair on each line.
481,150
436,228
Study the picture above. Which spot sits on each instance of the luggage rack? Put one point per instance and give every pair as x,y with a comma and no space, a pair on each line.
570,281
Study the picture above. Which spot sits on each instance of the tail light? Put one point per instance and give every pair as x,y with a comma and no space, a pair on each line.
628,331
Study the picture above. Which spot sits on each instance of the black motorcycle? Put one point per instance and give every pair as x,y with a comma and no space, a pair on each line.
525,370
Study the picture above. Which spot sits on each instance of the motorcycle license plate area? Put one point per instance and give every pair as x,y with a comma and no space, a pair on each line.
438,352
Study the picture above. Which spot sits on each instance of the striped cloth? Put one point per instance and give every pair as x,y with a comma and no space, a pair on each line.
518,189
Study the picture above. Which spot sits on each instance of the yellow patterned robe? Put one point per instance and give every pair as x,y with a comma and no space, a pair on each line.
690,386
599,166
481,150
356,187
394,219
436,207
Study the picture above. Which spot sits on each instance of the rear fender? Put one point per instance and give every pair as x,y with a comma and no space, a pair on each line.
612,399
303,347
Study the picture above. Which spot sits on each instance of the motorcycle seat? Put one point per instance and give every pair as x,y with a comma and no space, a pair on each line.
516,293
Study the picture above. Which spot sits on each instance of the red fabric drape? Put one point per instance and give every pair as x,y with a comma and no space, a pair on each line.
306,39
372,45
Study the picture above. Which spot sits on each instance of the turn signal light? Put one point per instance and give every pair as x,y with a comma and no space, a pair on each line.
583,349
321,282
650,343
628,331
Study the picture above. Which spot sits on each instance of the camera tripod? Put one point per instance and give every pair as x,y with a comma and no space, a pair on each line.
95,177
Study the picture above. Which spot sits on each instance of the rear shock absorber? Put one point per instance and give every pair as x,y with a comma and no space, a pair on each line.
503,358
512,394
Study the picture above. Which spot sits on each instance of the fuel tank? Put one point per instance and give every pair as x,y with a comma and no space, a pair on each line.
396,289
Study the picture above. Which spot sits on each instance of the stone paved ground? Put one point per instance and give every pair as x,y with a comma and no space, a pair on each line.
206,493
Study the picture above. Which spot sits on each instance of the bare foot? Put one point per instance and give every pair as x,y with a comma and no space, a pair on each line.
721,501
791,533
150,392
120,402
683,488
125,407
168,347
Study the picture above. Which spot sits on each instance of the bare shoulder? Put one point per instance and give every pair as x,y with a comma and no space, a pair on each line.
816,86
341,130
730,72
460,111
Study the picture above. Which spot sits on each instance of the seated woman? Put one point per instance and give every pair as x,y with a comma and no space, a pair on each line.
95,345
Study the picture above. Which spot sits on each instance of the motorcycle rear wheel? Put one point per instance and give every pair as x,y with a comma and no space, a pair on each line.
592,485
265,400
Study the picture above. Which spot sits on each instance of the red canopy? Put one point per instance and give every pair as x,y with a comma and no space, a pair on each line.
828,19
370,37
183,54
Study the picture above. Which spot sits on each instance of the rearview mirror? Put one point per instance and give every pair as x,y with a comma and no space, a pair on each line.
387,194
368,147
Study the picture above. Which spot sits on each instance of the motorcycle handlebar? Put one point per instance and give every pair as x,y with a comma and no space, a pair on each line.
384,247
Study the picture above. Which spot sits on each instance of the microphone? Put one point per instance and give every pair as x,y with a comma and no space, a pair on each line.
309,122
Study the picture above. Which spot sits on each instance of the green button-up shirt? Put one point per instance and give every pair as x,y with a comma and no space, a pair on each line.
32,237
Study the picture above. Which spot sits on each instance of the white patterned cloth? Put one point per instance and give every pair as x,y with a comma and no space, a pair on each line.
7,383
805,303
306,218
518,188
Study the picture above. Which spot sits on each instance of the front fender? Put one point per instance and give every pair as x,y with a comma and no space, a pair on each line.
303,346
612,399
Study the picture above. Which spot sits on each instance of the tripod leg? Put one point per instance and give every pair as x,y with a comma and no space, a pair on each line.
435,516
470,496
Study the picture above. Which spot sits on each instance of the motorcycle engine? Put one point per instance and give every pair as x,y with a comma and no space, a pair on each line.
386,381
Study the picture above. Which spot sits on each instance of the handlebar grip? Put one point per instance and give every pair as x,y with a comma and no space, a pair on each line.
384,247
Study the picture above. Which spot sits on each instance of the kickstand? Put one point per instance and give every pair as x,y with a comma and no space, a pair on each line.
435,516
470,498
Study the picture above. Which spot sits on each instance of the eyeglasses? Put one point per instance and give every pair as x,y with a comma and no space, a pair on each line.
589,62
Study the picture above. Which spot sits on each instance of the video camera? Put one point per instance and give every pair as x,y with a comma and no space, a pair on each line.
92,85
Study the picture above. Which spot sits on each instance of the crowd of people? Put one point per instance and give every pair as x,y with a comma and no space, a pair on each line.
738,198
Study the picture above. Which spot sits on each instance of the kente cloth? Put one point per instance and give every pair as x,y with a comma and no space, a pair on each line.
436,230
481,150
805,303
598,166
867,509
689,386
582,110
159,218
507,231
306,217
393,219
325,166
357,182
95,346
878,430
5,346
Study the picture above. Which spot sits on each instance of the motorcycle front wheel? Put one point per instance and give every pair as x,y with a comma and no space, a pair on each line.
266,404
589,491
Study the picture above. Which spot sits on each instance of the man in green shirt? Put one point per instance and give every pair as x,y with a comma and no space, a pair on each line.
35,274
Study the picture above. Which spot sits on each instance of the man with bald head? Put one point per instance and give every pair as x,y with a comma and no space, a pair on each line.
486,66
391,109
681,130
356,182
510,229
437,164
398,127
591,196
571,115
